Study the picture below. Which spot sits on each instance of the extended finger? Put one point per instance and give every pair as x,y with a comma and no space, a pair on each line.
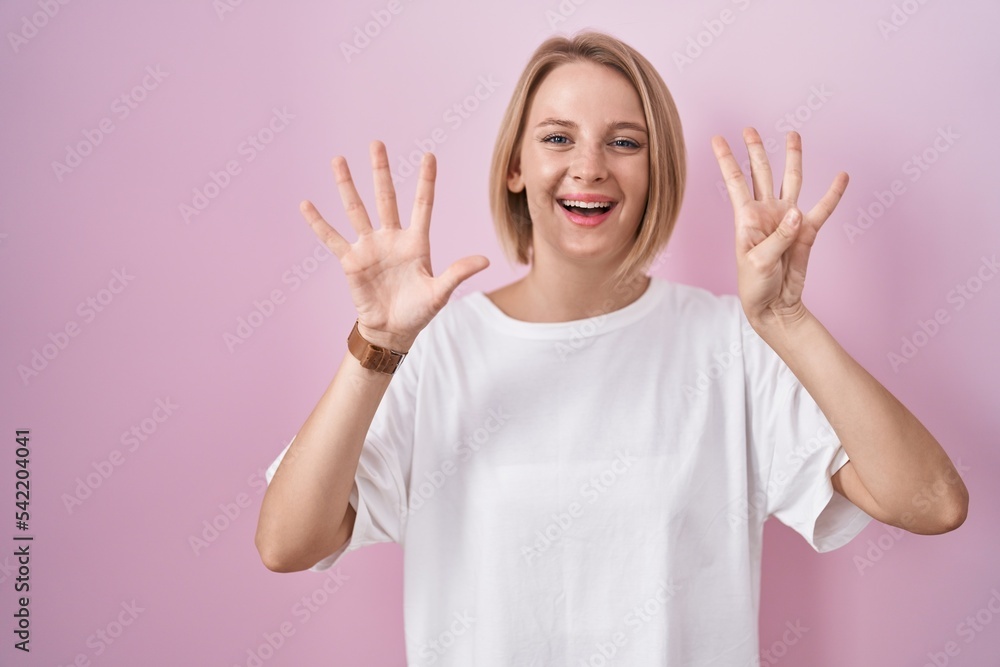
824,207
732,175
792,182
760,168
327,234
353,205
420,220
459,271
385,193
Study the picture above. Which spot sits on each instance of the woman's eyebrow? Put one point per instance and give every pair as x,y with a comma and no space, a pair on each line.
614,125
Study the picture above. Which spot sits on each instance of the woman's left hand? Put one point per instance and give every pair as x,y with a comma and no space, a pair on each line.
773,238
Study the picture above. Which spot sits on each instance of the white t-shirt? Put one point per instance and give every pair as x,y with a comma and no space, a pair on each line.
592,492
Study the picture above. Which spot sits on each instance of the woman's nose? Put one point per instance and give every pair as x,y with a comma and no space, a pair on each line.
589,163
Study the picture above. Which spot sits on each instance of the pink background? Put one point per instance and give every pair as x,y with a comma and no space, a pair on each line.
162,336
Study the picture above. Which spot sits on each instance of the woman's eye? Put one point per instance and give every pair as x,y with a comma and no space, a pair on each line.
628,143
554,136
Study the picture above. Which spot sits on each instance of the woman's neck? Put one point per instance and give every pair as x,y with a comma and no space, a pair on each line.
541,297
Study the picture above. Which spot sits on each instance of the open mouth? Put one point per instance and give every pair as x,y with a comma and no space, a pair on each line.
587,209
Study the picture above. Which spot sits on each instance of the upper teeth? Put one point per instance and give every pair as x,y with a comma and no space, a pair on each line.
586,204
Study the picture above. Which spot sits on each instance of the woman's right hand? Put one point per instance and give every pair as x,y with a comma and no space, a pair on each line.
388,269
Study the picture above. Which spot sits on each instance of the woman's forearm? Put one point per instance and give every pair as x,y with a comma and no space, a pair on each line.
894,456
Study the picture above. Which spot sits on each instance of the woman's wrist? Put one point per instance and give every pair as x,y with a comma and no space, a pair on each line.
394,342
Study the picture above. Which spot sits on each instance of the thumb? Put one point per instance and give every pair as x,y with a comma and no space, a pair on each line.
460,271
770,250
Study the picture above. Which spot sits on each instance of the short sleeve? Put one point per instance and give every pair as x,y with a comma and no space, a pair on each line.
788,429
380,488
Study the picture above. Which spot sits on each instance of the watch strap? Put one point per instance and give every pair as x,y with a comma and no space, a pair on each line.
373,357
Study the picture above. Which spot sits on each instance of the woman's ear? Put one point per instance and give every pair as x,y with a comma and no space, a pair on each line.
515,182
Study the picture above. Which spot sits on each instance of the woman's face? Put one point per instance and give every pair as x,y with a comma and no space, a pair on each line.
585,140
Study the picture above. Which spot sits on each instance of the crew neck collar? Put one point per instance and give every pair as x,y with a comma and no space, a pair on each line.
599,323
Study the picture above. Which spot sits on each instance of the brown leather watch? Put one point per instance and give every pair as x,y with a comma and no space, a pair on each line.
371,356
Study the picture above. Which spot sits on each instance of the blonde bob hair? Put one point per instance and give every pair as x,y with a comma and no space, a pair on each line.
667,159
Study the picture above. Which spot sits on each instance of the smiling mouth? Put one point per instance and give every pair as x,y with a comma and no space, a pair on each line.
587,209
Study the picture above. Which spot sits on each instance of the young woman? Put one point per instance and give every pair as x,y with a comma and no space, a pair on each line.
578,465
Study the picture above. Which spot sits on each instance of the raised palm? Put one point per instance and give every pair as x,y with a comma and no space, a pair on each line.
388,269
772,257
